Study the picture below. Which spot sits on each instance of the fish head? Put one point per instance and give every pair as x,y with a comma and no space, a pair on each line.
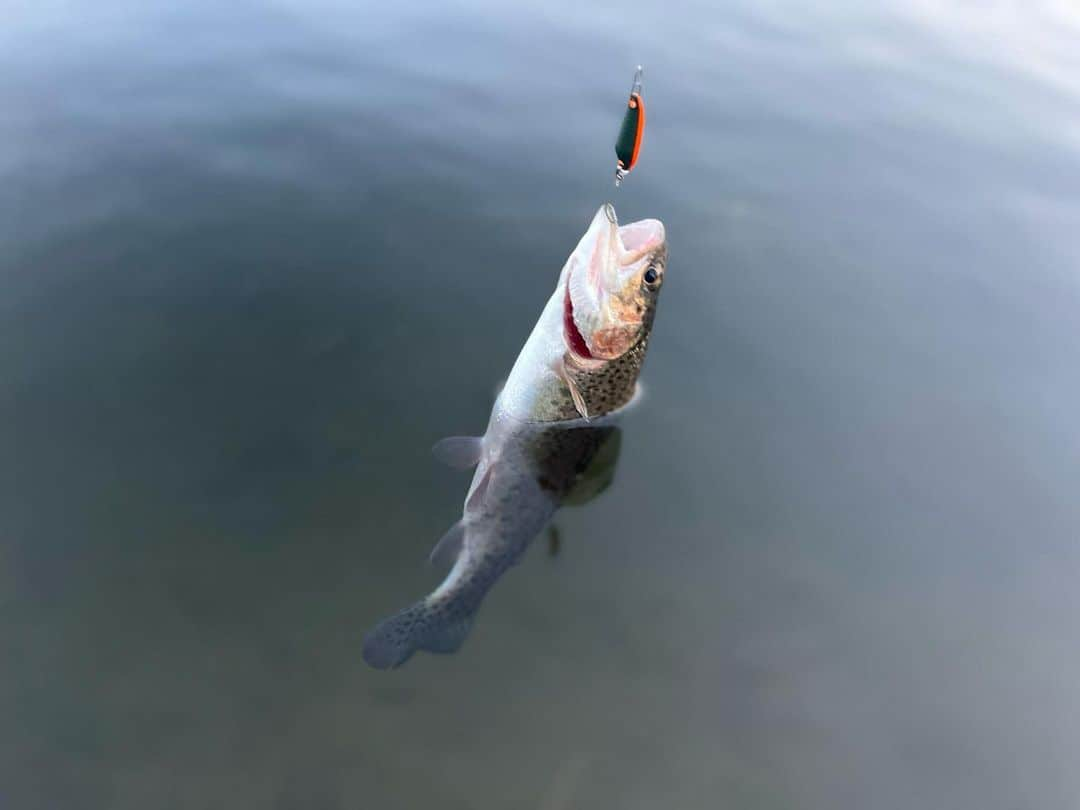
612,280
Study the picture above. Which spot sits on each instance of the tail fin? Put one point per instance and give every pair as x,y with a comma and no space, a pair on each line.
438,624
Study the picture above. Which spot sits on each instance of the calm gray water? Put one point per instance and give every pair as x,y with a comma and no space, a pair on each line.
256,258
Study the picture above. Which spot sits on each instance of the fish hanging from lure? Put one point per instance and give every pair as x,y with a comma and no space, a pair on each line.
632,131
551,439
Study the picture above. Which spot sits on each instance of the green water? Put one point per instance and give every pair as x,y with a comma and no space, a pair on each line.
255,259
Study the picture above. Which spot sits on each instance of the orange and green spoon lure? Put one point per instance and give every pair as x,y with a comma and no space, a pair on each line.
628,144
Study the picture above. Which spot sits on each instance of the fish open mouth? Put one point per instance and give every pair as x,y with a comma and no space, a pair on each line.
640,238
606,259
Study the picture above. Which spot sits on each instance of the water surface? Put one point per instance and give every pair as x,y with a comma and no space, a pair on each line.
255,259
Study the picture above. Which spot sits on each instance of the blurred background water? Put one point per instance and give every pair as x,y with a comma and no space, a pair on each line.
255,258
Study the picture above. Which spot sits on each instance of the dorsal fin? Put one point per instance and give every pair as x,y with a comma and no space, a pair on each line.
459,452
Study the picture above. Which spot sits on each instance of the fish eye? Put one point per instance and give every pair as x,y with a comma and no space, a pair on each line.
651,275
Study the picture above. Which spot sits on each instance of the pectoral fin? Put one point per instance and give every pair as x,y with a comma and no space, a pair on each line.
575,394
459,452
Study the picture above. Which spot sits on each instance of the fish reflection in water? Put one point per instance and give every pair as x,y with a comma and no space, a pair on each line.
552,439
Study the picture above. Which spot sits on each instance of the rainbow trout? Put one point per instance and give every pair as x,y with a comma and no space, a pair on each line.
551,427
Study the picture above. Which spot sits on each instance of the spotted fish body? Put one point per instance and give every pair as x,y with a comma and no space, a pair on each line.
548,431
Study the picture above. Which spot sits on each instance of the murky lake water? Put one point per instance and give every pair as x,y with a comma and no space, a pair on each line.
255,259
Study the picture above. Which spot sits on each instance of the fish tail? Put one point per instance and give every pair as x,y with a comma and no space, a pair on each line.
437,624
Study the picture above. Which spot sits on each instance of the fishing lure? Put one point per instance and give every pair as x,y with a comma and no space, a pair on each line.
628,144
